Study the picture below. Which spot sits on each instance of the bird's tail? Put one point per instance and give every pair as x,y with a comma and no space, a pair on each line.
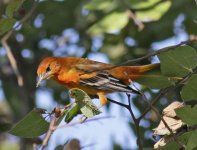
134,72
148,67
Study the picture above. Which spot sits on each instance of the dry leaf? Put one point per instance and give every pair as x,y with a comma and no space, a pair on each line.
169,110
74,144
162,141
174,125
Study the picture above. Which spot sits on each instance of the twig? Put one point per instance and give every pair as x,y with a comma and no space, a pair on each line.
149,7
50,131
80,122
11,57
137,21
165,123
8,49
54,125
136,121
192,38
137,124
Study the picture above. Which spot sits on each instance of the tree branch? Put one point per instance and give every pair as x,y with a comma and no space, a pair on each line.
8,49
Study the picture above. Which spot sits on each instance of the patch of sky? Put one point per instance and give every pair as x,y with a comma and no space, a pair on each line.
145,123
130,41
47,44
2,96
72,35
148,134
19,37
84,12
26,53
97,43
179,36
2,51
44,100
39,21
101,57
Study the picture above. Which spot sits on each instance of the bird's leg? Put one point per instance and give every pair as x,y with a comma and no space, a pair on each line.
83,119
102,98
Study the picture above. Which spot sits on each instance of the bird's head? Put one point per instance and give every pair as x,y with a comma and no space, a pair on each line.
47,69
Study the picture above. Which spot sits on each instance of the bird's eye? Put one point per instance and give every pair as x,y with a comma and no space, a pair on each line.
48,69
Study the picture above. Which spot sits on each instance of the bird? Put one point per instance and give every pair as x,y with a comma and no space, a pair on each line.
93,77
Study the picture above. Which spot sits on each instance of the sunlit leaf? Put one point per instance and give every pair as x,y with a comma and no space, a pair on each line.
136,4
188,114
12,7
154,13
189,91
72,113
107,24
178,62
87,107
100,5
6,24
32,125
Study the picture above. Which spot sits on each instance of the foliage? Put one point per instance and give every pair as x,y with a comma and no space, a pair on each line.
121,30
32,126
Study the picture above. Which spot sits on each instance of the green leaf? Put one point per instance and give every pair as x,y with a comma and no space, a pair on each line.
87,107
12,7
191,144
154,13
188,114
31,126
188,138
136,4
62,117
106,24
6,25
72,113
154,79
189,91
178,62
106,5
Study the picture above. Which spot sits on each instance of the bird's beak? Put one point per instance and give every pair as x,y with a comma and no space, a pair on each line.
42,77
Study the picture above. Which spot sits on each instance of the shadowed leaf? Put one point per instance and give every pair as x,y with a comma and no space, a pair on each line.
12,7
32,125
72,113
178,62
154,79
189,91
6,24
188,114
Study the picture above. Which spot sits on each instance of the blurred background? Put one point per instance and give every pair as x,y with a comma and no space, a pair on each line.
110,31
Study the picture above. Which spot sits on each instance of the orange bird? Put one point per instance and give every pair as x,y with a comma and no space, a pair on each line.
95,78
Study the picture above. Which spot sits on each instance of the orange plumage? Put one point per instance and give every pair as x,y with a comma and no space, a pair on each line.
95,78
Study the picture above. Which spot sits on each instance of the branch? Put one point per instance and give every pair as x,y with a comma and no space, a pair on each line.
137,21
165,123
192,38
8,49
136,121
54,124
52,128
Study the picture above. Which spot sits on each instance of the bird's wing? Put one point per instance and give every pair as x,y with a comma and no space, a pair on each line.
91,66
104,81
